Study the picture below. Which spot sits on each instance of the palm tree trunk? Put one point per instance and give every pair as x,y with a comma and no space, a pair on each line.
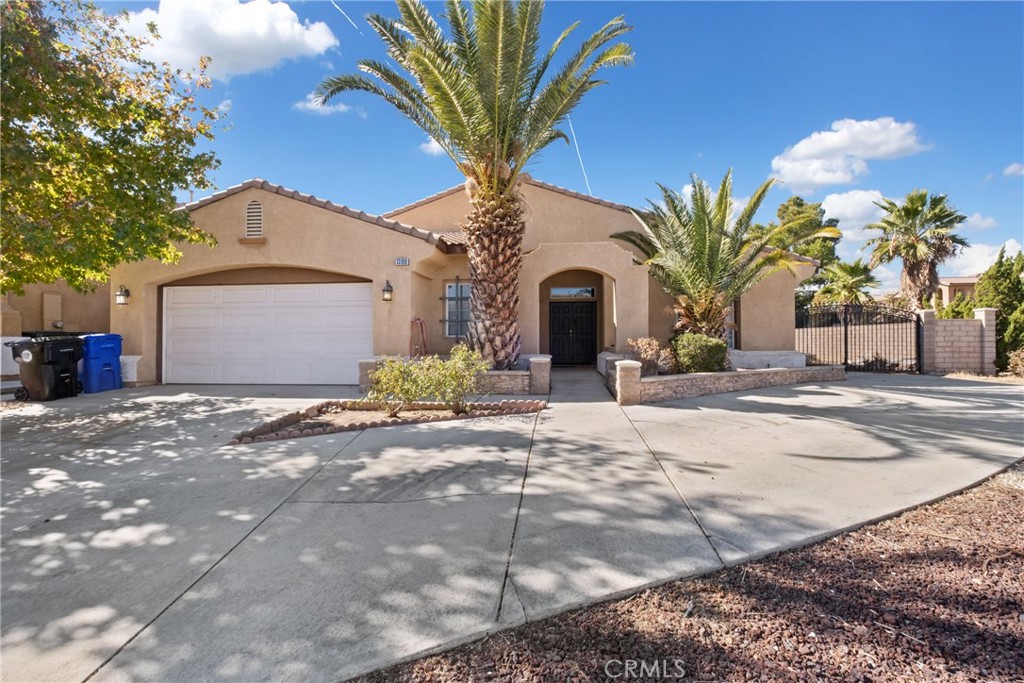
494,243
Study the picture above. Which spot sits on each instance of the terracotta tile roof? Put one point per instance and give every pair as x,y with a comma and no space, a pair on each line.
437,239
526,178
960,280
453,236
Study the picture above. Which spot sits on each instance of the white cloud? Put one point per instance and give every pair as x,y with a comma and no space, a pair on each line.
840,155
1014,169
854,209
888,278
977,258
310,105
239,37
978,222
224,107
431,147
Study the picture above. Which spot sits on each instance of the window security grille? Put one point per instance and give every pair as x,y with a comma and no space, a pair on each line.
456,309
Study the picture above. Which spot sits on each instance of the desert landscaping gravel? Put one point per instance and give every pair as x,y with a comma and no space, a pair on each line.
935,594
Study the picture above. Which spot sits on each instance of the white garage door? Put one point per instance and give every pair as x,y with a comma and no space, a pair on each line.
266,334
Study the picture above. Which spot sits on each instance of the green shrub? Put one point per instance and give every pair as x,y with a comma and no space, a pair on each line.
960,308
397,382
700,353
1016,362
454,380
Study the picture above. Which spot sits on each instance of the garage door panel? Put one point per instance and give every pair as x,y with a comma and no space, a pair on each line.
358,294
198,321
267,334
189,295
237,320
243,371
244,295
297,294
195,373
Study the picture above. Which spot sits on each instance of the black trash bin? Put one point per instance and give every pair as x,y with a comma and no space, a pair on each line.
48,367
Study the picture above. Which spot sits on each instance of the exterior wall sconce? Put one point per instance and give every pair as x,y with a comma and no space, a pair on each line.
121,296
388,290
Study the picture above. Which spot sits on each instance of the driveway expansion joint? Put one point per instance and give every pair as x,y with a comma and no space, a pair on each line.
675,488
506,578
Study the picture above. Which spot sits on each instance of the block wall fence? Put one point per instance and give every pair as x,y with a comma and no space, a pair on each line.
959,345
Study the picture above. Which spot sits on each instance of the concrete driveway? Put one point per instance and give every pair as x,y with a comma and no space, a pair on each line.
137,547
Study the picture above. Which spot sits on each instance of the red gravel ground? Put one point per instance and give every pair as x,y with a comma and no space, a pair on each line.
936,594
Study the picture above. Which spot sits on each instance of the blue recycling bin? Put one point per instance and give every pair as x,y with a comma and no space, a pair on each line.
101,362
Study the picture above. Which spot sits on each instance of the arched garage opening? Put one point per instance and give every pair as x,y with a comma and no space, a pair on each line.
264,325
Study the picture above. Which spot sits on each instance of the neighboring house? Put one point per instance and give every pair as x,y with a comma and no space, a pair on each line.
950,287
294,291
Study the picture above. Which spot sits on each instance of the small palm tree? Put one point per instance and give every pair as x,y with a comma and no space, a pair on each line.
846,283
483,92
706,259
920,232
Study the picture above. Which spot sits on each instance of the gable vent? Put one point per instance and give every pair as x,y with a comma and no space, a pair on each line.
254,220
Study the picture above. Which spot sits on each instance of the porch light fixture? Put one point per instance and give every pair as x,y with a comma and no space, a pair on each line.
121,296
388,290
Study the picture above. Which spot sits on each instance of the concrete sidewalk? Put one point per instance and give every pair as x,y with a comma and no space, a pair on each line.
136,547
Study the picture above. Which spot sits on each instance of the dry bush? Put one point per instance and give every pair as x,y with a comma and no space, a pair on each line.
647,351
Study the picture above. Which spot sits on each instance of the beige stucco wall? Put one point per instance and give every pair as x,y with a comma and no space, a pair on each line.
551,217
767,313
299,235
42,305
430,276
946,293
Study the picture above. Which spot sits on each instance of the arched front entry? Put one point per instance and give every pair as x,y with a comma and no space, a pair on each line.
572,317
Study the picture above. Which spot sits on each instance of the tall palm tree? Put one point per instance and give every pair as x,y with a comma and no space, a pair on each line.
847,283
483,92
706,259
920,232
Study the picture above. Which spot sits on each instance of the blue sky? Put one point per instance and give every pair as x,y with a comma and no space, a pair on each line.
844,102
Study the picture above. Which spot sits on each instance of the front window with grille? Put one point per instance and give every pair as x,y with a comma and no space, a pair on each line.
254,220
456,309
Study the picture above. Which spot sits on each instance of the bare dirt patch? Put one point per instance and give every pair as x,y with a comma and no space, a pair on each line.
12,405
330,417
934,594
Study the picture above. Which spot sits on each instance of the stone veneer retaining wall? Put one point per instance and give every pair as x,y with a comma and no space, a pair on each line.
624,382
535,381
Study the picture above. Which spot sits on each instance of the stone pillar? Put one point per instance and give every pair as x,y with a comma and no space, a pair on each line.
627,382
365,368
987,316
10,319
540,374
928,330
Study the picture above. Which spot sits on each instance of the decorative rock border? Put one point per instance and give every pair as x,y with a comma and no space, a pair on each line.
280,428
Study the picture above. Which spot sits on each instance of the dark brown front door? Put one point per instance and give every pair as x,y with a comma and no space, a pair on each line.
573,332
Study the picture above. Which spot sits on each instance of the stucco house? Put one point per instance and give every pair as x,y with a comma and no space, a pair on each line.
950,287
299,289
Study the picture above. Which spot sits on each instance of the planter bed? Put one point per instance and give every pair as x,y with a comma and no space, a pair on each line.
331,417
669,387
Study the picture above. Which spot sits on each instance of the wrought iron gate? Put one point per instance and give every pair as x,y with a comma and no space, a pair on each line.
864,337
